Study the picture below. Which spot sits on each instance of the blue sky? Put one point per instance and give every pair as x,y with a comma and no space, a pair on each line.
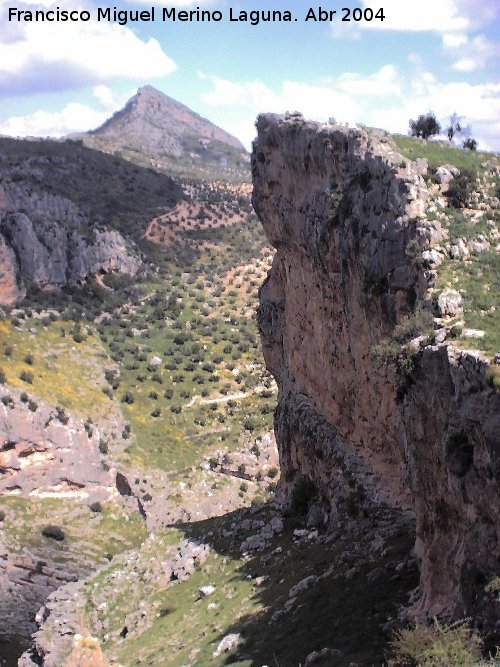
439,55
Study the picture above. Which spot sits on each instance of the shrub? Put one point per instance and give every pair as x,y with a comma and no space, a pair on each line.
493,587
460,189
437,646
3,377
95,507
54,533
128,398
61,415
33,405
470,144
29,359
425,126
26,376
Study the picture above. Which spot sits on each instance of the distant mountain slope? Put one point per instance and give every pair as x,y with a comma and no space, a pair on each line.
68,213
155,130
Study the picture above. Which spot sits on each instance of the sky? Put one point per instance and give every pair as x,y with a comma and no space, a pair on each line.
432,55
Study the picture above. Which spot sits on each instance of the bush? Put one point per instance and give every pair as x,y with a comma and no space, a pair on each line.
460,189
61,415
437,646
3,377
95,507
470,144
425,126
29,359
54,533
26,376
128,398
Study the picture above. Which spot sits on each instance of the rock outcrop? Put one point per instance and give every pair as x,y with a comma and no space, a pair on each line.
346,215
44,453
47,242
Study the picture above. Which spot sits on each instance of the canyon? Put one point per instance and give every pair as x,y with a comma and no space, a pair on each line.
148,513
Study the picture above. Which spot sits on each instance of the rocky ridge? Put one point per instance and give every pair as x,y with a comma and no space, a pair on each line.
348,217
155,130
47,242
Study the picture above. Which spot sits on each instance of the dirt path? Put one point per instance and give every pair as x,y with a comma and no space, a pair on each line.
222,399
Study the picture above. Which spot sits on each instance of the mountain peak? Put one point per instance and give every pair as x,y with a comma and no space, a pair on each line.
155,130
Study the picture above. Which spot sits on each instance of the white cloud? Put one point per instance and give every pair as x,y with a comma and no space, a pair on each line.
454,40
354,98
237,104
470,54
74,117
382,83
109,99
46,56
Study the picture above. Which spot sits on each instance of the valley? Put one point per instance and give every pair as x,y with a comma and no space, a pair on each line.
203,387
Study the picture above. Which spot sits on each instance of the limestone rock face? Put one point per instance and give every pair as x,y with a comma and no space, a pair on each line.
42,457
47,242
42,454
154,129
348,224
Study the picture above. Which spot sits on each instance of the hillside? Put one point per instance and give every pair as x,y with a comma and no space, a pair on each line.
142,501
154,130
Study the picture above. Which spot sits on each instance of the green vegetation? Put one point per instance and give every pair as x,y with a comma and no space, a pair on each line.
69,534
396,349
478,279
58,372
438,153
250,593
425,126
107,188
437,646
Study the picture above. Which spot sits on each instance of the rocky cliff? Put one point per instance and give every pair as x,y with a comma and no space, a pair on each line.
374,406
44,454
68,213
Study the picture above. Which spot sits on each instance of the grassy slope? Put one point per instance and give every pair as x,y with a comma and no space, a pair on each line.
438,154
180,628
476,277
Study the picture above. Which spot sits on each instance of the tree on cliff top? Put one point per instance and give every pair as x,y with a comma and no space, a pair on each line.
425,126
